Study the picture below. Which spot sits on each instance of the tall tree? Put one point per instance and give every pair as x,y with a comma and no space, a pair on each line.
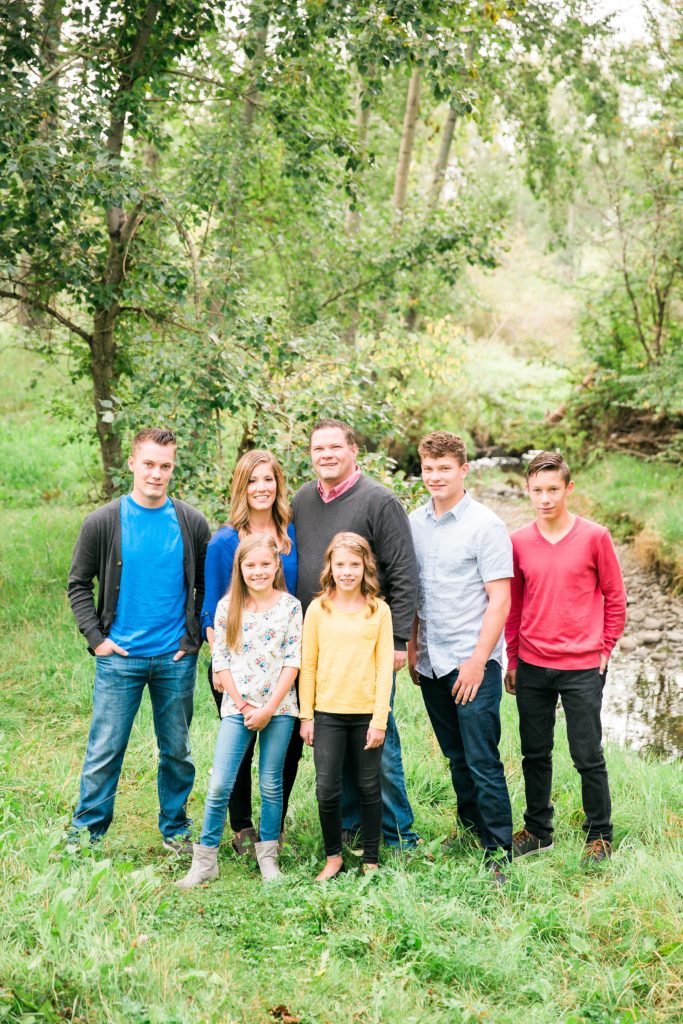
79,274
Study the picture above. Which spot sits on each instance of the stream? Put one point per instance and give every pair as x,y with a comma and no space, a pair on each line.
643,696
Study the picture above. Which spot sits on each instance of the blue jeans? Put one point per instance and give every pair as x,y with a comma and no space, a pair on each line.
468,735
397,817
231,746
119,685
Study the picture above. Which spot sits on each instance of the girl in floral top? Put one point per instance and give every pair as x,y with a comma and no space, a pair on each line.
256,655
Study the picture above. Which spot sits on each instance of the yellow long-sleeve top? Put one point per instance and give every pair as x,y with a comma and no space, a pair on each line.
347,662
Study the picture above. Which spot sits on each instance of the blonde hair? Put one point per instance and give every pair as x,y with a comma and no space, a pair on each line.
239,503
369,586
238,592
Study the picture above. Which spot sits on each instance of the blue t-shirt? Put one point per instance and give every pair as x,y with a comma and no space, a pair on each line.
220,556
150,611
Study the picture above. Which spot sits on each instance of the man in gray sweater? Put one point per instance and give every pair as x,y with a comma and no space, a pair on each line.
147,552
341,498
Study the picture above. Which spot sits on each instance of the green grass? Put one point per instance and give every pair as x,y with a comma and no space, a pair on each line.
41,459
497,395
106,937
641,497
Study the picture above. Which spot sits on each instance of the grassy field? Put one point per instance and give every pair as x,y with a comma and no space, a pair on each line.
105,936
642,501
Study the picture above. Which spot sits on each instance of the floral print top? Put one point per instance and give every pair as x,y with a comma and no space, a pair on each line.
271,641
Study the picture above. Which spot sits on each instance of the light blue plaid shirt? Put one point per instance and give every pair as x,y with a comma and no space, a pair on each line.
457,554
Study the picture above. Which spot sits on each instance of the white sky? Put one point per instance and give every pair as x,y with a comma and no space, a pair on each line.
629,20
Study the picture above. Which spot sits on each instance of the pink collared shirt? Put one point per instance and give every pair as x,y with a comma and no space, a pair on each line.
341,488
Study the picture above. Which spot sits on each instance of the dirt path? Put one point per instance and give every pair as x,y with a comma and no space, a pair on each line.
643,702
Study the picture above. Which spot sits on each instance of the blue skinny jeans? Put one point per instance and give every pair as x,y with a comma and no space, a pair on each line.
231,745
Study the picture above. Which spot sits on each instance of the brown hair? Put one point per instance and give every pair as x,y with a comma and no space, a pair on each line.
237,594
155,434
552,461
239,504
442,443
335,425
369,586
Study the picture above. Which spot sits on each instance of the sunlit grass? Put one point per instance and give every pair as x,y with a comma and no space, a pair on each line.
106,936
639,496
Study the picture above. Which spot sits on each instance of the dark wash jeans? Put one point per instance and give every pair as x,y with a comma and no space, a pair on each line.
240,800
334,736
468,735
581,693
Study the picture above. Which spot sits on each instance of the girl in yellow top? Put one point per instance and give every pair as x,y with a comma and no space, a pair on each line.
344,690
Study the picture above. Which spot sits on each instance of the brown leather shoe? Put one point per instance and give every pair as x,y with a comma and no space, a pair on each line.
596,851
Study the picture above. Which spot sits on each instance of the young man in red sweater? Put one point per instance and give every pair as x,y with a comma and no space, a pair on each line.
568,611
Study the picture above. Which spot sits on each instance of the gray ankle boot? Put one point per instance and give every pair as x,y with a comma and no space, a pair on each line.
266,855
204,867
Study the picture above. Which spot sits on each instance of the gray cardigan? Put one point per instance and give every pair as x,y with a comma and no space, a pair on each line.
98,554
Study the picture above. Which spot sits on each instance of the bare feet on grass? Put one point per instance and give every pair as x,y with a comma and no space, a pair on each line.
332,868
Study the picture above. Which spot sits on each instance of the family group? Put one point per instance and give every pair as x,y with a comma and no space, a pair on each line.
310,610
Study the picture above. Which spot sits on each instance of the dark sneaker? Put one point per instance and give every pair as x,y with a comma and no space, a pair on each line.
78,839
352,838
525,842
596,851
243,842
181,844
497,872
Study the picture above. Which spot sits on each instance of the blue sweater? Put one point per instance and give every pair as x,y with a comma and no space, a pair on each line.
220,556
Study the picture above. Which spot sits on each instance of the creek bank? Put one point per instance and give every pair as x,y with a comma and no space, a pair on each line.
643,698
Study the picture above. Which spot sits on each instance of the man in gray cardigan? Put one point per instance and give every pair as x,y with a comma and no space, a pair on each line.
147,552
341,498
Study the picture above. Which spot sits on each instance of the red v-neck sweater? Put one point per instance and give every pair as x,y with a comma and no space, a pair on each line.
568,599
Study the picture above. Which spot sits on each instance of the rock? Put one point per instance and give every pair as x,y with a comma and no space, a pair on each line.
651,637
637,615
653,623
676,636
628,644
659,656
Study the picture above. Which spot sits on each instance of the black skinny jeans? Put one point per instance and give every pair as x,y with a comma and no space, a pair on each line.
240,800
581,693
333,736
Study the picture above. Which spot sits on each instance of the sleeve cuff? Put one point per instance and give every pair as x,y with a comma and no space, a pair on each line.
399,645
95,637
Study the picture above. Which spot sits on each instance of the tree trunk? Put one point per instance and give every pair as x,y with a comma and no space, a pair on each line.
352,222
259,40
406,147
433,197
122,228
103,370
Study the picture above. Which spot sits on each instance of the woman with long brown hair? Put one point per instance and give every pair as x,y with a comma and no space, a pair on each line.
258,504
